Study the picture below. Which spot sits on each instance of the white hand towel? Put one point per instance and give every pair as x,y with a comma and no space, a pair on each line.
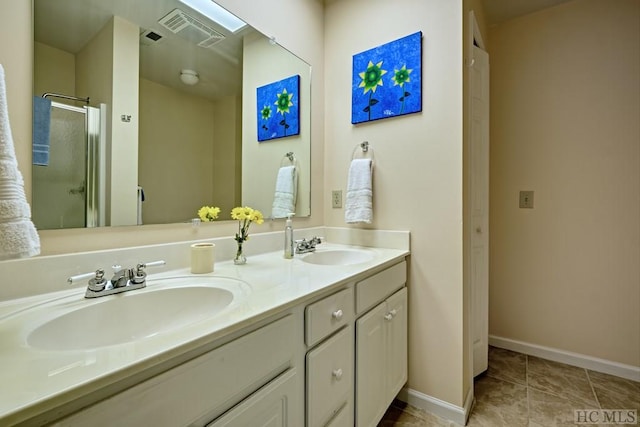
18,235
359,201
284,199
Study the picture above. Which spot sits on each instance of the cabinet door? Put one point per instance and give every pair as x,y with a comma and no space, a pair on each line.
396,324
344,417
370,367
329,377
271,406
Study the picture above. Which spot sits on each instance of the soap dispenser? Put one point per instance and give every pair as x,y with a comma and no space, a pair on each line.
288,237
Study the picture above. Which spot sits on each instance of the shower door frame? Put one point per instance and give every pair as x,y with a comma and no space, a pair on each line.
94,175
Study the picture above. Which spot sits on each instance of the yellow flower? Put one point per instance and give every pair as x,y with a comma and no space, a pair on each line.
208,213
257,217
245,216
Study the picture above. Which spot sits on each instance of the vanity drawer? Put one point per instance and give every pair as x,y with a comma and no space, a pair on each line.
328,315
376,288
330,378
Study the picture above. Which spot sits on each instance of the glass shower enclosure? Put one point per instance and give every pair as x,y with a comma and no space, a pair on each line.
69,192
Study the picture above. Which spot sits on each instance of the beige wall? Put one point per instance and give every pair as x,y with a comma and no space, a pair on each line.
227,154
124,135
284,19
565,102
176,134
264,64
417,174
57,73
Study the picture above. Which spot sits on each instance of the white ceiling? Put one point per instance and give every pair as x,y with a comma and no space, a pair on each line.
497,11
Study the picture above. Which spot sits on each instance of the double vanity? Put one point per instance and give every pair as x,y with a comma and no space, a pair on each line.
319,340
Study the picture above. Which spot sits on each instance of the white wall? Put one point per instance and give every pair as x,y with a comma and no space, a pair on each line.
417,174
565,103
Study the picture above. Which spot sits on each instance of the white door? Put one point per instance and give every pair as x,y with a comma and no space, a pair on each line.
479,193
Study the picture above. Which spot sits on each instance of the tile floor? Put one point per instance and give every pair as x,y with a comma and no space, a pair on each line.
519,390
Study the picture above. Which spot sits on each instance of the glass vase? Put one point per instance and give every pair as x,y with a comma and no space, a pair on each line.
240,259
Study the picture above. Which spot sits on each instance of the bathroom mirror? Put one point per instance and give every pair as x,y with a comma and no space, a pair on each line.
179,118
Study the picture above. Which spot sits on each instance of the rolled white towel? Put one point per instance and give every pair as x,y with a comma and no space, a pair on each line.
18,235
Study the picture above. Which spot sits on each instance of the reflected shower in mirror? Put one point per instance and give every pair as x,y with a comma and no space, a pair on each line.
175,96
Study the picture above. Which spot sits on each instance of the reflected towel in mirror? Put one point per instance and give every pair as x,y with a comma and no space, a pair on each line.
41,130
284,199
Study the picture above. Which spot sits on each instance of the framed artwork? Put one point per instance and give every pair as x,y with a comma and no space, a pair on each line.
387,80
279,109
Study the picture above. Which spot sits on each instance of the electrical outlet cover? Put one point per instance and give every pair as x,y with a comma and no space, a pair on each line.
336,198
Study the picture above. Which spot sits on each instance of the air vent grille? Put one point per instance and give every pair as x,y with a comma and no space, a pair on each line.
191,28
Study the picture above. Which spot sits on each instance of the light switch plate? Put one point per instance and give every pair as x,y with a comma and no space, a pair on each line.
526,199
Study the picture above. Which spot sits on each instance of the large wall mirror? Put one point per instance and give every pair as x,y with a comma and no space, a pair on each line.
152,112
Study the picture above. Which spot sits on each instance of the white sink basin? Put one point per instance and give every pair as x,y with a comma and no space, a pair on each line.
338,257
129,317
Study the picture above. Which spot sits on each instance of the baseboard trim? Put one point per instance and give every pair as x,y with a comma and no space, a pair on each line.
457,414
575,359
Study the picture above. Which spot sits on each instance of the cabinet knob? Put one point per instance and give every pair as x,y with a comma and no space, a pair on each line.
388,316
337,373
337,314
393,312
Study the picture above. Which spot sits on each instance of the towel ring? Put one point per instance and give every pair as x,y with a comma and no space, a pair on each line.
364,150
289,159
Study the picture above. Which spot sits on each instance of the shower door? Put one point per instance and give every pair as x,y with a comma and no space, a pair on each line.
64,191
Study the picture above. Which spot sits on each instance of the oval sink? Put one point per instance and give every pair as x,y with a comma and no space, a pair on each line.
338,257
129,317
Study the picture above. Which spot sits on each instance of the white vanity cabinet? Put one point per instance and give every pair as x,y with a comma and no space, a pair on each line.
333,360
252,378
329,365
381,344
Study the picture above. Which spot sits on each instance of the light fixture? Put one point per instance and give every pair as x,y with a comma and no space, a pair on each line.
216,13
189,77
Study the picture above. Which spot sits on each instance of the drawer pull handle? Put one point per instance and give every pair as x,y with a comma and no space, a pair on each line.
337,314
391,314
337,374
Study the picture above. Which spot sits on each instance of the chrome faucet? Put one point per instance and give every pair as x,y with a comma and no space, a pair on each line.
123,280
303,246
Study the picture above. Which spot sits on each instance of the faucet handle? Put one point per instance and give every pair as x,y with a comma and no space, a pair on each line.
97,282
139,275
99,273
152,264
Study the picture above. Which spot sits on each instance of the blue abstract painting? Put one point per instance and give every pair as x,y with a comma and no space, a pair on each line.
279,109
387,80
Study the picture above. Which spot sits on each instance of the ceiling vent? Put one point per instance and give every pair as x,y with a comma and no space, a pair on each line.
149,37
191,28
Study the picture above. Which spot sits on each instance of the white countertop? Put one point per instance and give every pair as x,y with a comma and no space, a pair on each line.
34,381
